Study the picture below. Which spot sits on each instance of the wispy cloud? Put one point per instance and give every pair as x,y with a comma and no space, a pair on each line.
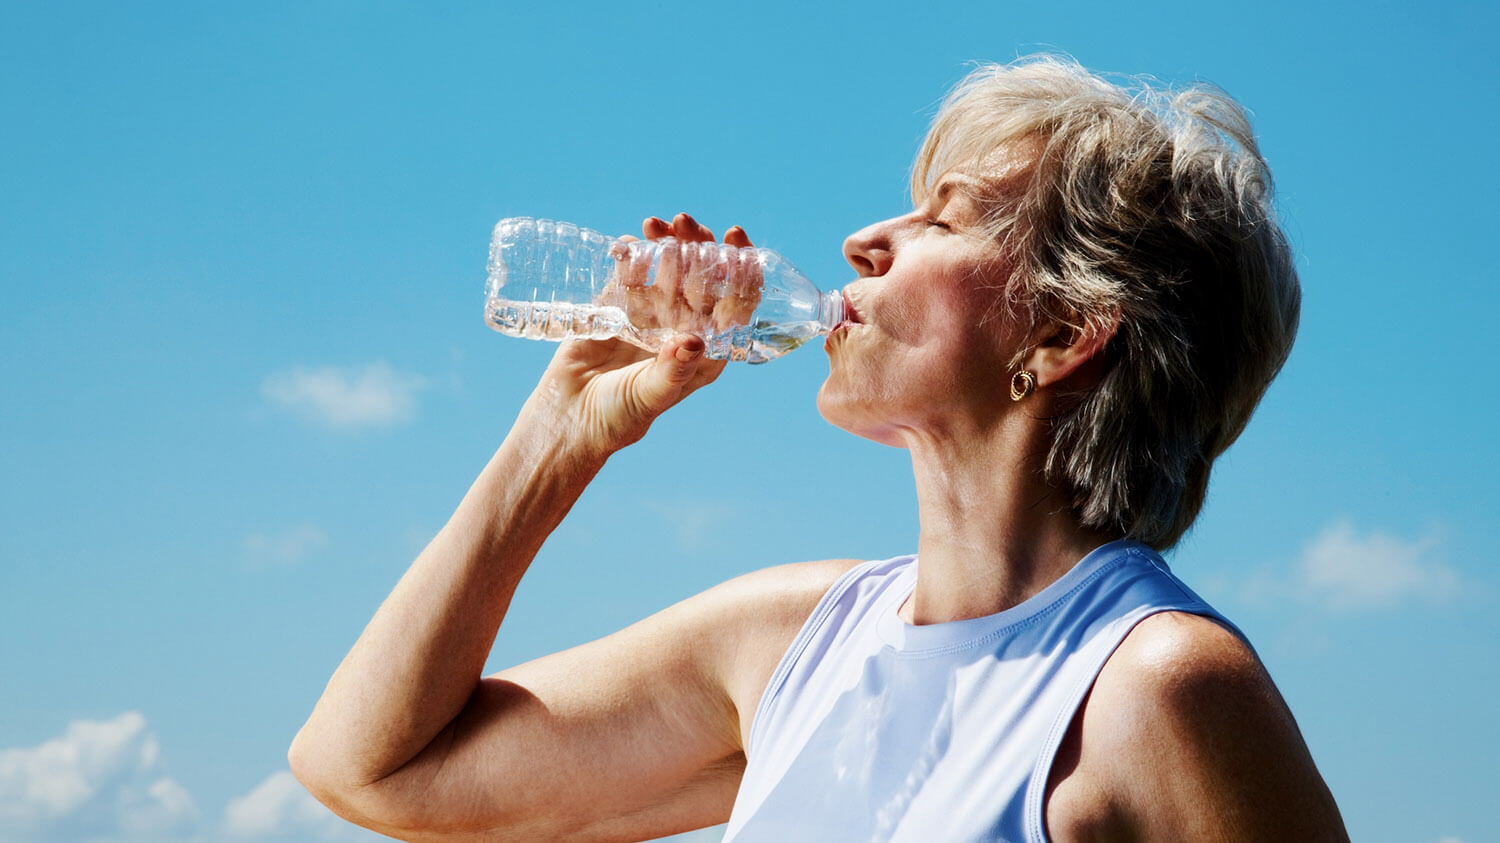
279,808
284,547
694,524
345,397
1345,569
100,779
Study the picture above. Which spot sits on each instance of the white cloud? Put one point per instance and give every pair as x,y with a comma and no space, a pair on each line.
280,808
104,782
345,397
1347,570
287,546
101,779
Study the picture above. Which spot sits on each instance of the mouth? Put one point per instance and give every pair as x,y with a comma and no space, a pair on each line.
851,316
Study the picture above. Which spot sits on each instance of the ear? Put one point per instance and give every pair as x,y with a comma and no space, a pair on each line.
1063,349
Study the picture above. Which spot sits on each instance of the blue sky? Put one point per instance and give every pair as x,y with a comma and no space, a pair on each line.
245,376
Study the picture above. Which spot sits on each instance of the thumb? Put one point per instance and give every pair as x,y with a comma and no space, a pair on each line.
660,386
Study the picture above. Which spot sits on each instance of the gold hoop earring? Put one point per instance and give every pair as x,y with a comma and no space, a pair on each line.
1026,386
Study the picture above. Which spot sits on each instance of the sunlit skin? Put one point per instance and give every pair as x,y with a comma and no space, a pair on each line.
914,355
642,733
927,369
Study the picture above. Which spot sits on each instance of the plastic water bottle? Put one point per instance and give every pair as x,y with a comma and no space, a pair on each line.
554,280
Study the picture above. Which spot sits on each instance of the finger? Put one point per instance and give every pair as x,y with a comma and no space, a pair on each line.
612,293
655,227
721,308
698,272
747,289
619,250
628,272
663,382
684,227
702,286
743,289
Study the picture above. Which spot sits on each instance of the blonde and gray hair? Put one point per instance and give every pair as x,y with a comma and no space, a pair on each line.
1148,209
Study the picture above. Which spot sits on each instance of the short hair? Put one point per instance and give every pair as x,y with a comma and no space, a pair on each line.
1149,208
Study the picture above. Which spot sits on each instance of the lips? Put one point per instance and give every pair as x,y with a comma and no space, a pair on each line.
851,316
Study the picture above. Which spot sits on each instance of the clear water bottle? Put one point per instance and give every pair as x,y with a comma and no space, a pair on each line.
555,281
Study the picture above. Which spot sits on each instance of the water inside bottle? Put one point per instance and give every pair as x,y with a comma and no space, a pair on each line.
771,339
763,341
554,320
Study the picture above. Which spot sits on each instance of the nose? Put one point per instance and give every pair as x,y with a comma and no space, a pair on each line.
869,250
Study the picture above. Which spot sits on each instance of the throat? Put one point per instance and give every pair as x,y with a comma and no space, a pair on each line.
964,580
993,531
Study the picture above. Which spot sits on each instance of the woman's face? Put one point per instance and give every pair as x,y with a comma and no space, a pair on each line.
926,343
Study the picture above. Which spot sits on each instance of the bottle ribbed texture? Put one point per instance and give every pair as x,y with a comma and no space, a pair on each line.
555,280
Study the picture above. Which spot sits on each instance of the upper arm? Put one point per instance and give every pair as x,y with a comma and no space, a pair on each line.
1184,736
635,735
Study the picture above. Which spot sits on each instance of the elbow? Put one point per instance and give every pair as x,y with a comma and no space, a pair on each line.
311,767
333,780
319,769
302,760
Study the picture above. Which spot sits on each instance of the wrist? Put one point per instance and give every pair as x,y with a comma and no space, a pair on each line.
551,424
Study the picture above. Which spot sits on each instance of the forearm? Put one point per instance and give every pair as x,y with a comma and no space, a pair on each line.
421,656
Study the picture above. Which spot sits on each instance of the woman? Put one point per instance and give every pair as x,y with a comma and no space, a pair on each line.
1078,316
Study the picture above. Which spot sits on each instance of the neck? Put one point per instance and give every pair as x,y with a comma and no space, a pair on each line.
993,533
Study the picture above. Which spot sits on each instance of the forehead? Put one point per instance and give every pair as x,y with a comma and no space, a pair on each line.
1002,173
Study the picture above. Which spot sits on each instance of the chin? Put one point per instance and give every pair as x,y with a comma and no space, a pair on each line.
835,406
847,413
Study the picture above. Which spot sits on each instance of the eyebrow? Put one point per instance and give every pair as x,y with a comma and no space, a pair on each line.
949,183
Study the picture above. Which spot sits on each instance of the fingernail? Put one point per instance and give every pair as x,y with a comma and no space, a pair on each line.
688,355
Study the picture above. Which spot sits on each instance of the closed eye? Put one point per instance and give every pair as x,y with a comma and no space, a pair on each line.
936,224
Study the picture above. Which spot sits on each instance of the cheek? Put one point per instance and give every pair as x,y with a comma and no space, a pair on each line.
915,320
956,301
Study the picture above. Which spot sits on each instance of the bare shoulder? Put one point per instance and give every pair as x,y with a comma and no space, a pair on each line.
1185,736
1180,661
783,587
755,618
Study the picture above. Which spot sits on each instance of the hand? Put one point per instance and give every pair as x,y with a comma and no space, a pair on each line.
698,287
607,393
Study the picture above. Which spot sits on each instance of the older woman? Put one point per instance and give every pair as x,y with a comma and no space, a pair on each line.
1078,316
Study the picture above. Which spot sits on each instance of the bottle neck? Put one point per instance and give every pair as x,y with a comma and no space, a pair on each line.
830,310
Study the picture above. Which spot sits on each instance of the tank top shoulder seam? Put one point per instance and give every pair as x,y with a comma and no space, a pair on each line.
1034,807
810,627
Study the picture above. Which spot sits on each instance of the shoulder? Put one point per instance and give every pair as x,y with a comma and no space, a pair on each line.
1185,735
775,597
1179,660
747,624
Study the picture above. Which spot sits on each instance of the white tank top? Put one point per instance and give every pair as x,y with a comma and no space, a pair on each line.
875,730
